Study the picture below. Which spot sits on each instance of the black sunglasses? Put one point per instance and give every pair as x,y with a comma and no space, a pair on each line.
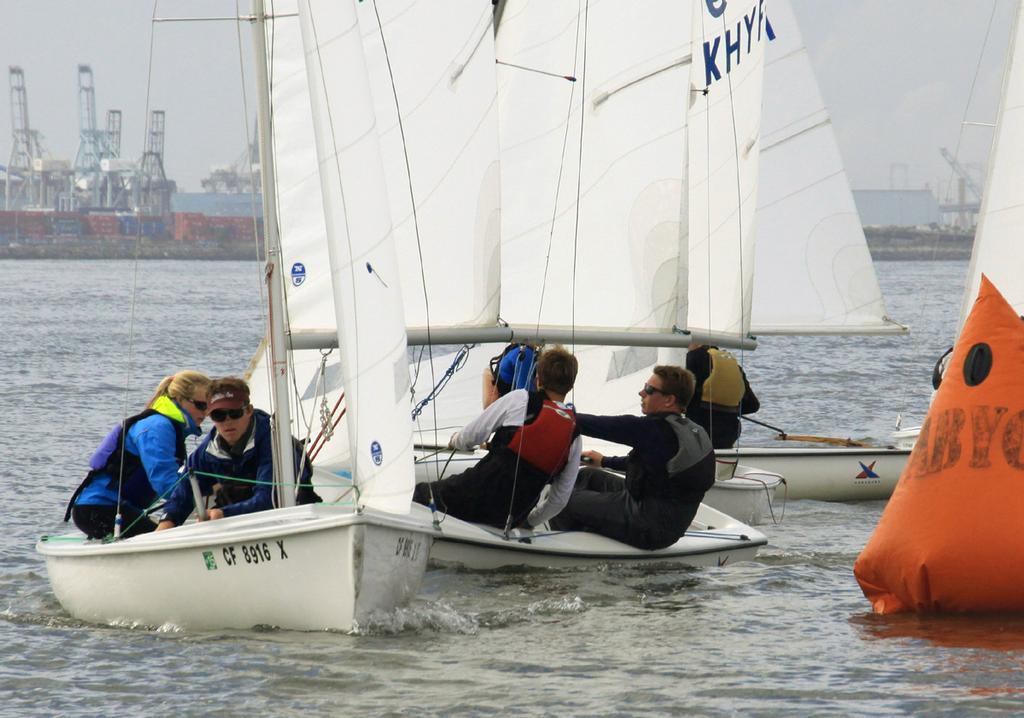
649,390
201,405
223,414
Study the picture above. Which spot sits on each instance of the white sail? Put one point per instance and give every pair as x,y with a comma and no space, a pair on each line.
435,64
998,233
305,257
814,271
300,207
723,127
610,260
365,276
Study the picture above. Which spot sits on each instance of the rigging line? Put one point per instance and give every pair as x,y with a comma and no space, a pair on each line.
558,183
970,96
903,403
248,145
707,192
348,234
579,183
135,292
739,195
412,200
302,418
551,232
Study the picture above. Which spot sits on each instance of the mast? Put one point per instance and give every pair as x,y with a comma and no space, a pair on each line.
284,469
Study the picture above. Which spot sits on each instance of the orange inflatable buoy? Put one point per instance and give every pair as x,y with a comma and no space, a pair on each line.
951,538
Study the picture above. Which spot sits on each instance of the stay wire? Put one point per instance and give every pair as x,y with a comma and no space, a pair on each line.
415,213
558,185
579,178
135,289
583,10
970,98
905,388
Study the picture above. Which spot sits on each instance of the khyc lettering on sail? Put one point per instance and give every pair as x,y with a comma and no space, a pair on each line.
741,34
949,540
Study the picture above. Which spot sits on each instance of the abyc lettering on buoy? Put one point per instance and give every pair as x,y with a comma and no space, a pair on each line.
726,49
992,433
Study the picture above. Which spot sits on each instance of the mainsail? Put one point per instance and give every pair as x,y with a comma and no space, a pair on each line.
592,170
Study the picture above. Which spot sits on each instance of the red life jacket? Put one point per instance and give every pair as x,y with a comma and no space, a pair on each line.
544,441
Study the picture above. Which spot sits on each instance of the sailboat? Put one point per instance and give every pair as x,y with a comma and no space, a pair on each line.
436,108
994,252
619,205
594,225
311,567
814,273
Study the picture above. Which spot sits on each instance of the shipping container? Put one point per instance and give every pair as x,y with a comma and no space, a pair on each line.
101,225
67,226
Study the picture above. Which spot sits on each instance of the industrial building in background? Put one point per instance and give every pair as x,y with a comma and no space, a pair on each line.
107,205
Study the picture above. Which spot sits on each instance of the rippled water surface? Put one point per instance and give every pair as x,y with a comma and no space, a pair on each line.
787,634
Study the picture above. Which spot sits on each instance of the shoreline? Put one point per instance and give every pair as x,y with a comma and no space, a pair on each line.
884,243
918,244
118,249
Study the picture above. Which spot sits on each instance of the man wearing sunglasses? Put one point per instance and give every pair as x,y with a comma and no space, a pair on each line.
670,467
234,463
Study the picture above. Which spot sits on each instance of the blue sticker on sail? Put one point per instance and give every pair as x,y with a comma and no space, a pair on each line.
376,452
298,274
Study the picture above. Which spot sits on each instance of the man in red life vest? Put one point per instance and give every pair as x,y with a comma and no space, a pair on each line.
535,443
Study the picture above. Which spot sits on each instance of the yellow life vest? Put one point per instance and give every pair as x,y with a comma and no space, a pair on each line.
724,386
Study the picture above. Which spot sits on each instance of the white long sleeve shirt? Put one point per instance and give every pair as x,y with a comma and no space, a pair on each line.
510,410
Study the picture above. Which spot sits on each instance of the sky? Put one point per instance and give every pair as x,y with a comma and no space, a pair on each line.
896,76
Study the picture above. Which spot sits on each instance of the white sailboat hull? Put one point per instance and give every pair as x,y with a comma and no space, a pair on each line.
747,496
745,493
311,567
714,539
828,474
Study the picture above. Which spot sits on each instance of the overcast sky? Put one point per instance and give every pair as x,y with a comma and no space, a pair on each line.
896,76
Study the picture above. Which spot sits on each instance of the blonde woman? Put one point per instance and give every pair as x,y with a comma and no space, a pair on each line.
139,459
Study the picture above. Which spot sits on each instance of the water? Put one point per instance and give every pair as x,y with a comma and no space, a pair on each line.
787,634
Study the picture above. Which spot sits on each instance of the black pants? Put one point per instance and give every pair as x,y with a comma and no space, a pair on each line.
600,504
97,522
488,492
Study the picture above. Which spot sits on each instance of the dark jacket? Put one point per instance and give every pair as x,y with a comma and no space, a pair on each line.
215,464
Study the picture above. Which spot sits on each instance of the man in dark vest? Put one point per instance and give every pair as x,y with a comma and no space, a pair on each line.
532,442
235,462
721,395
670,467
